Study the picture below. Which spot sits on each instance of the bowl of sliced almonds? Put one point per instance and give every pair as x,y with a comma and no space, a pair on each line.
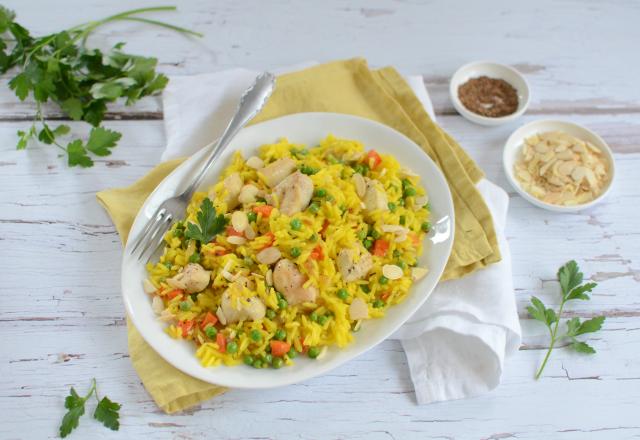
559,166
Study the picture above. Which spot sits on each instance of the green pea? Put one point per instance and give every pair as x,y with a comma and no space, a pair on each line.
409,191
292,353
185,306
314,208
305,169
194,258
257,363
248,360
378,303
267,358
280,334
362,234
392,206
343,294
277,363
406,183
271,314
383,280
211,332
252,217
403,220
313,352
282,303
401,264
232,347
365,288
168,264
296,224
368,243
313,316
320,192
322,319
396,253
313,238
295,252
255,335
401,202
426,226
375,234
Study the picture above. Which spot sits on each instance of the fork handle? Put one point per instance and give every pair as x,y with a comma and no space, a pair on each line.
251,102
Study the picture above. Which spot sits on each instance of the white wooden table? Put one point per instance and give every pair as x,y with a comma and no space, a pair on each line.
61,314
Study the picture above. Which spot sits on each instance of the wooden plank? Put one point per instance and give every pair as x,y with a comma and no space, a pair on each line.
560,47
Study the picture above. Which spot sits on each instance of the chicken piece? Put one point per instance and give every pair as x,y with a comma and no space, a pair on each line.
233,186
192,279
375,198
354,263
276,172
294,193
241,312
289,281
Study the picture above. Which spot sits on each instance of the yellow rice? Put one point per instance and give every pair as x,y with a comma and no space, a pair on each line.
334,160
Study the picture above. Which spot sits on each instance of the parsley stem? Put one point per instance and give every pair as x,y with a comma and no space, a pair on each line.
166,25
554,339
91,390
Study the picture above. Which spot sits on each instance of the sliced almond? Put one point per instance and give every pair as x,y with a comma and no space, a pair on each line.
249,232
221,317
541,148
392,271
234,239
157,305
255,162
148,286
239,220
269,255
417,273
421,201
360,184
269,277
358,309
248,194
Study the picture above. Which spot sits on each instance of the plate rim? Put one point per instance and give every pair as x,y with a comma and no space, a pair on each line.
320,370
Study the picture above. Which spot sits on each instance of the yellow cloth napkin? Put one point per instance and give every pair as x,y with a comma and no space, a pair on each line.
342,87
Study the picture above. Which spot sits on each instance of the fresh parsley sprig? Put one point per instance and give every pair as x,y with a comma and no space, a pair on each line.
209,223
81,81
106,410
570,279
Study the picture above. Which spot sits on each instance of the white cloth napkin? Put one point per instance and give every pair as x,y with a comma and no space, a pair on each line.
457,341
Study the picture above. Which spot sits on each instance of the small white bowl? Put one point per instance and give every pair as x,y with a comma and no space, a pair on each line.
514,144
492,70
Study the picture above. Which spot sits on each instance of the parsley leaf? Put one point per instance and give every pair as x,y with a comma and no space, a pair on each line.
101,139
81,81
570,279
106,411
210,223
75,404
77,154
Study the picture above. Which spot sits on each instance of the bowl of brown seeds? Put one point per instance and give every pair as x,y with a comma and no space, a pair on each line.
489,93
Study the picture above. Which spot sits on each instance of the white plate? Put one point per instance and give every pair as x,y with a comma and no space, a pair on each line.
492,70
516,140
308,129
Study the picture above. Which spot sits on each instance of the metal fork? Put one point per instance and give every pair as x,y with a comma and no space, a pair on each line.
251,102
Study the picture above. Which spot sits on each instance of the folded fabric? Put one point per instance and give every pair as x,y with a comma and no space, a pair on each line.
346,87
